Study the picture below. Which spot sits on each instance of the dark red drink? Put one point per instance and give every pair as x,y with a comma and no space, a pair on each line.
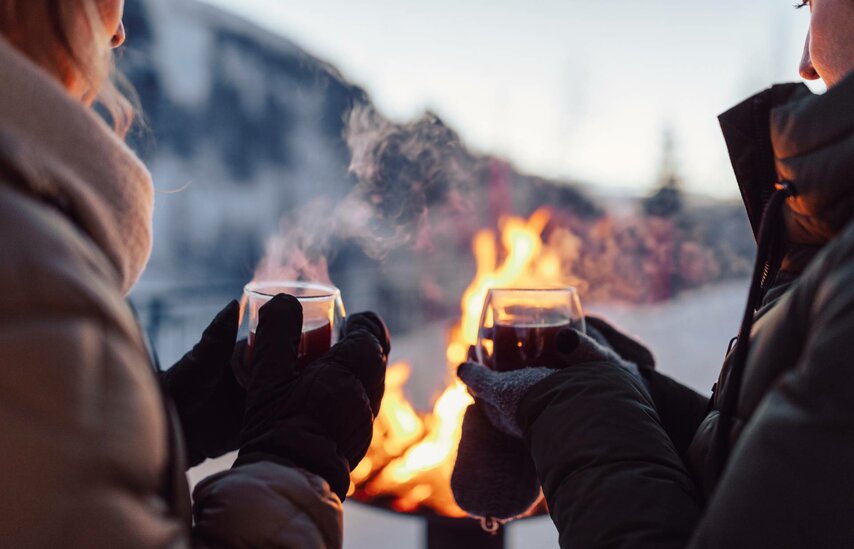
524,345
315,342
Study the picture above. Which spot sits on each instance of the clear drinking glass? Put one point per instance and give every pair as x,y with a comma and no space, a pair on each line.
518,327
322,309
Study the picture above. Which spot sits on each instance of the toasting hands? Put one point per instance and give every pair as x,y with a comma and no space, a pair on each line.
319,418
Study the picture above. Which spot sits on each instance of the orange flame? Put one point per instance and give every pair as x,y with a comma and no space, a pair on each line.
412,455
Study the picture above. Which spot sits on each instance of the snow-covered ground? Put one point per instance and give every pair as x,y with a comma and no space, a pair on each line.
689,336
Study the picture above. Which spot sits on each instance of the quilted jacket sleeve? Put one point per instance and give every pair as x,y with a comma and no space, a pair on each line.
266,505
610,473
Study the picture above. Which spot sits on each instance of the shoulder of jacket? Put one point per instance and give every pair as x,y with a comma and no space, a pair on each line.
839,253
829,276
38,231
53,265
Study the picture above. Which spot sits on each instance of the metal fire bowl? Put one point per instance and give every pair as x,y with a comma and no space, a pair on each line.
444,532
385,503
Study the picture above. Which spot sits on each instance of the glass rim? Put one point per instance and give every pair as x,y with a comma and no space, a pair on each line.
257,290
568,289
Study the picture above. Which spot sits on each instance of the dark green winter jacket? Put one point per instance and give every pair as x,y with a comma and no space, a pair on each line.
623,467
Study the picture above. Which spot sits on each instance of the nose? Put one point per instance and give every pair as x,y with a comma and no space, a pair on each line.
807,69
119,38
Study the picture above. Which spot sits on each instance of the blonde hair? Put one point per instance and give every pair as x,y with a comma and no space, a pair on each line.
64,37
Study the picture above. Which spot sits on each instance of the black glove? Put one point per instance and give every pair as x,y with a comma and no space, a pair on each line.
208,398
319,418
629,349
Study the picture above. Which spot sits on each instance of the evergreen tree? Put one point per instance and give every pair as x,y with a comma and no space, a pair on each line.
666,199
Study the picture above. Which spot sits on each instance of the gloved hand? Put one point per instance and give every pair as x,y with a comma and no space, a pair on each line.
207,397
494,477
491,447
501,392
319,418
629,349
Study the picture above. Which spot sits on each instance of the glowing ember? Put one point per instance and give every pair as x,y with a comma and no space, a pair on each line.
412,455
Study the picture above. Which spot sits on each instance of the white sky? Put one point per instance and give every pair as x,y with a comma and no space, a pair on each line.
564,88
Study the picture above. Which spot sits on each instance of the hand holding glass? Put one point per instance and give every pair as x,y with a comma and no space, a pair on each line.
322,309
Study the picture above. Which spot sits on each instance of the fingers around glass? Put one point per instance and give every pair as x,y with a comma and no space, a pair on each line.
323,312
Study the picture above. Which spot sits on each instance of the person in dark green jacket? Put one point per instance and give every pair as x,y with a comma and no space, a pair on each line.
629,458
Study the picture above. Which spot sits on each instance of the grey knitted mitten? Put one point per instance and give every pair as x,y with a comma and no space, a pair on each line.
494,476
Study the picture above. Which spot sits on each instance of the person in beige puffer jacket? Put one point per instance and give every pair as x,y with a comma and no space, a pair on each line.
92,438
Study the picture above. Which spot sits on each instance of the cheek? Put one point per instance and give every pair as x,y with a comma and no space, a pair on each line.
832,38
819,47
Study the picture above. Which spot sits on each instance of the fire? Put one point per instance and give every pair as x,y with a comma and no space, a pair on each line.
412,455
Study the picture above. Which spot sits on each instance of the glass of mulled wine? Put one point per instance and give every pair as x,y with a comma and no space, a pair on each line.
518,327
322,310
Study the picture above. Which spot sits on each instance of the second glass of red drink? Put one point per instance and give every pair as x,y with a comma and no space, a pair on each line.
322,309
518,327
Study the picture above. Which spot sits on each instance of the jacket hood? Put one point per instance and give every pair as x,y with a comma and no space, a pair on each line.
57,149
787,133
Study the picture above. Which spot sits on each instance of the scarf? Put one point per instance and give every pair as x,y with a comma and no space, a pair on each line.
63,152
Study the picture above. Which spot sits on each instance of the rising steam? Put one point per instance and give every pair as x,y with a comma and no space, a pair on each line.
401,170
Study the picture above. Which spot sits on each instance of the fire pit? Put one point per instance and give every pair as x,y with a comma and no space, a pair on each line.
408,467
448,532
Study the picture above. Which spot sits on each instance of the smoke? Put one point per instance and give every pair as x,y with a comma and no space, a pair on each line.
401,171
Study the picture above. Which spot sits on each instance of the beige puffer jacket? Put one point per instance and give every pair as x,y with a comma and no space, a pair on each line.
85,458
